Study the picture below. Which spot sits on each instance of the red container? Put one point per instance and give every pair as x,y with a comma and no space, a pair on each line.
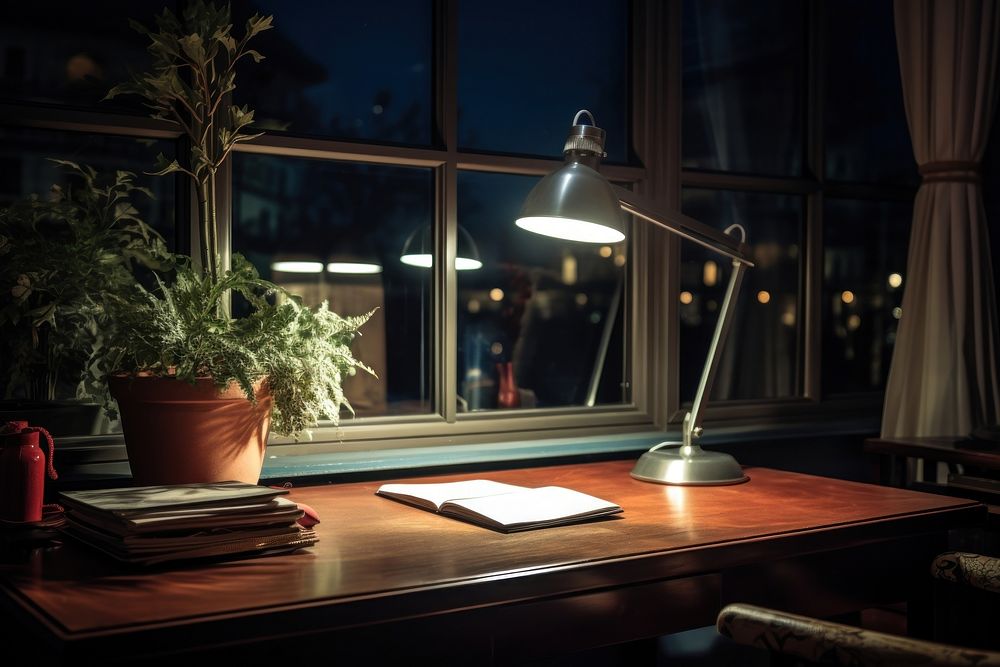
22,473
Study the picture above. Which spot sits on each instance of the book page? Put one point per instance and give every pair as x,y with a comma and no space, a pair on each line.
531,508
433,496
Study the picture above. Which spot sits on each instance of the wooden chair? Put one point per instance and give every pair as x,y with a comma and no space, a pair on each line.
966,600
812,641
966,617
975,570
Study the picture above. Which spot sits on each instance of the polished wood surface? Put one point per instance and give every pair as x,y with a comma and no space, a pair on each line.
380,562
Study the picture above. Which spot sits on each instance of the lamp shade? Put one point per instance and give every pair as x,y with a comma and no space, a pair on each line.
418,250
574,203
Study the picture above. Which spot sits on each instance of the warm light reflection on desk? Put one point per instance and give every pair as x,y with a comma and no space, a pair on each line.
676,497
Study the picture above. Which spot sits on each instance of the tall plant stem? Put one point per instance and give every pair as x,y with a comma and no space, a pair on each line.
208,239
212,230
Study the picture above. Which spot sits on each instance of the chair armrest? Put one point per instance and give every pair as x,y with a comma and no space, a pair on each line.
971,569
835,644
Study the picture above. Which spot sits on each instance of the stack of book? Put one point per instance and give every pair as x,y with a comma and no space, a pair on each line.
153,524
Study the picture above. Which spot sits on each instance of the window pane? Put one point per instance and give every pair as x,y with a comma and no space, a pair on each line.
866,134
864,266
526,67
761,356
538,306
72,52
315,227
25,168
743,85
344,69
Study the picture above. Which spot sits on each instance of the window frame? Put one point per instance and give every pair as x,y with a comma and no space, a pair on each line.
654,278
814,186
446,159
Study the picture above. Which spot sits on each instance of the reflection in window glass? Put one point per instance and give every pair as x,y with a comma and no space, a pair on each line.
760,358
526,67
532,318
25,168
336,231
864,270
743,85
339,68
72,52
866,134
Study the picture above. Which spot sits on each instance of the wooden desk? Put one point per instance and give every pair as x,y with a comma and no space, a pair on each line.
391,580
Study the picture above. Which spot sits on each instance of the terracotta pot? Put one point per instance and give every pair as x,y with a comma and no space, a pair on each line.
178,433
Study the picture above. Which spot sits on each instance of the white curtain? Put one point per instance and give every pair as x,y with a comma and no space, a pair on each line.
944,378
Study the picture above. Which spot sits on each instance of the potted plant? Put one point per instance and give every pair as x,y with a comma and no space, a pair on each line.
61,259
198,390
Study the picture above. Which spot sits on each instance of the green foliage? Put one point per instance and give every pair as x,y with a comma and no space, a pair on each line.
61,258
303,354
182,329
194,68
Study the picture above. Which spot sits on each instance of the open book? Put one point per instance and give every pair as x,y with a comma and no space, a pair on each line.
503,507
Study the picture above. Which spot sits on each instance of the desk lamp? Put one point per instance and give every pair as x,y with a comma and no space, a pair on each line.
576,203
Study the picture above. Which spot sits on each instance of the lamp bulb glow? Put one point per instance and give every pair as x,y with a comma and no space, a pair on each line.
426,261
570,229
355,268
297,267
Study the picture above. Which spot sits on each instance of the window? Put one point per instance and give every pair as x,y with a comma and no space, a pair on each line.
349,70
520,100
334,231
71,53
871,178
763,359
552,313
537,324
388,179
401,137
824,191
864,260
743,86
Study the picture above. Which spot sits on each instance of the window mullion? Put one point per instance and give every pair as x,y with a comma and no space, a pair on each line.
446,291
445,296
656,67
811,340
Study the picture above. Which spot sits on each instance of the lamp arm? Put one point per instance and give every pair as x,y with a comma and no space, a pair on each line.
683,226
722,243
693,419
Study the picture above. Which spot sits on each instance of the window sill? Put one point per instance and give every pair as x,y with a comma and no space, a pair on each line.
283,465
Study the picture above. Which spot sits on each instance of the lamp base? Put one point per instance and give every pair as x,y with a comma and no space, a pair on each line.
675,463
